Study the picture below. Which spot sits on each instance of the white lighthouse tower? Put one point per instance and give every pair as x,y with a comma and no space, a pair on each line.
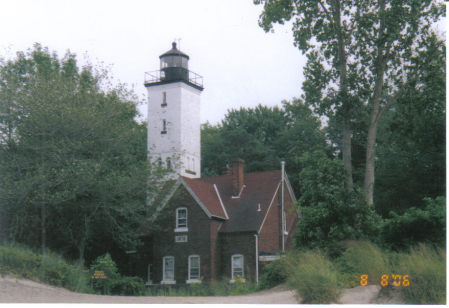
174,114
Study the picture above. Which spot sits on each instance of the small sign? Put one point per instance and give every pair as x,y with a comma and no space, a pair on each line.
99,275
181,238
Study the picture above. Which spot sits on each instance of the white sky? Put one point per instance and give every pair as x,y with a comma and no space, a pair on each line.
241,64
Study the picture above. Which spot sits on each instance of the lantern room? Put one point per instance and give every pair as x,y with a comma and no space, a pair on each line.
174,65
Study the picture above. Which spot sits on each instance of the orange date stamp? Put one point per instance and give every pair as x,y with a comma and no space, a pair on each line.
397,280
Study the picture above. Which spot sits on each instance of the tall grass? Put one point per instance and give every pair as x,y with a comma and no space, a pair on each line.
218,288
361,258
49,268
318,280
426,268
313,277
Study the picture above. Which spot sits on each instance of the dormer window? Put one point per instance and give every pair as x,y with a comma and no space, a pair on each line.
181,219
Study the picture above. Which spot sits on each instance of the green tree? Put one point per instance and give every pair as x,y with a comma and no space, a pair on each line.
263,137
73,159
247,133
329,212
356,52
412,142
416,225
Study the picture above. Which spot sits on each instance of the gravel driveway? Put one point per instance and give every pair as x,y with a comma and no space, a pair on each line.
13,290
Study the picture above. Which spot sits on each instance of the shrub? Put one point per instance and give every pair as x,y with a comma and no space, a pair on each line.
127,286
313,277
49,268
361,258
274,274
107,265
426,268
417,225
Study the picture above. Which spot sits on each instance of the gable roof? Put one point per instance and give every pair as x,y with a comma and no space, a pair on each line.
241,214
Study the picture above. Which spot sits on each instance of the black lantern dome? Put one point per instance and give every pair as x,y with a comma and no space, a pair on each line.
175,64
174,67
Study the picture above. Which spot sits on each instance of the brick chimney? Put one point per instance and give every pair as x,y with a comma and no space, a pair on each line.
237,176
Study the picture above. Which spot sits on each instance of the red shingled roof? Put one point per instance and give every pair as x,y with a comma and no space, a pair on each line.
243,214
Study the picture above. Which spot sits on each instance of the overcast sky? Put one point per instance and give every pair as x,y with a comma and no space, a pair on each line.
241,64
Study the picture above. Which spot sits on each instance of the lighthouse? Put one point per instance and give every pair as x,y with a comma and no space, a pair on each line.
174,114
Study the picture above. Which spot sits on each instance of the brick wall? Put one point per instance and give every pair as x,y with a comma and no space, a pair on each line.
243,243
214,255
198,238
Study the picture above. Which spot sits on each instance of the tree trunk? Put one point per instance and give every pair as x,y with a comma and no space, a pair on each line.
343,89
81,249
371,138
43,228
370,159
347,159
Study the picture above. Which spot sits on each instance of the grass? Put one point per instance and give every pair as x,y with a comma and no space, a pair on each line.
426,270
319,280
221,288
49,268
361,258
313,277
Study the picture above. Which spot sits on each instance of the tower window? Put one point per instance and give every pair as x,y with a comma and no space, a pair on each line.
164,99
168,163
164,126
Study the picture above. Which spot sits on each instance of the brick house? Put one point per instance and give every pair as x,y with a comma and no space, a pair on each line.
220,227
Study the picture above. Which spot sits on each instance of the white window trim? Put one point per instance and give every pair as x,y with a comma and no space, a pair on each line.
196,280
164,280
149,281
178,228
232,267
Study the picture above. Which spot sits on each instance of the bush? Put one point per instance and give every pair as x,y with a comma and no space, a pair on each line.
417,225
274,274
360,258
127,286
115,284
313,277
49,268
426,268
107,265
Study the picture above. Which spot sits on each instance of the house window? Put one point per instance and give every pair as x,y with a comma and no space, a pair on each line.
194,269
181,219
164,99
168,264
237,266
164,126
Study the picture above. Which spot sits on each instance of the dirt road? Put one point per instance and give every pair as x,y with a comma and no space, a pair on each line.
13,290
